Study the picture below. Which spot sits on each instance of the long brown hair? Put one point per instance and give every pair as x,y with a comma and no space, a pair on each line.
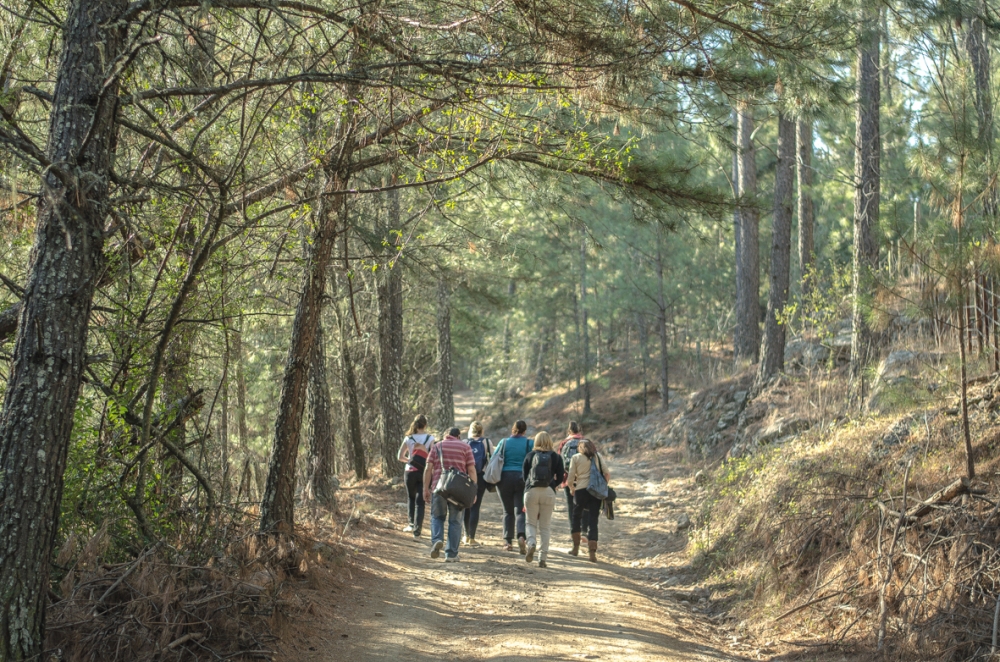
588,448
418,424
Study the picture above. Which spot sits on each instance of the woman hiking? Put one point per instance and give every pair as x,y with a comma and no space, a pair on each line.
514,449
482,450
586,507
543,471
413,451
567,448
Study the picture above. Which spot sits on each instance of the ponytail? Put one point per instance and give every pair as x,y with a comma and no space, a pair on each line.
418,424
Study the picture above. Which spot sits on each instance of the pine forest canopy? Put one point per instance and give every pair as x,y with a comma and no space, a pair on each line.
235,229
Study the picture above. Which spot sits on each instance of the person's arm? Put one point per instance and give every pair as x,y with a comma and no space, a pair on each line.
560,473
470,464
404,454
604,470
526,465
571,476
428,473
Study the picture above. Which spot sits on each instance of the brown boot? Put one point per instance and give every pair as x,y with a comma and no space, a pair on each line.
576,544
592,548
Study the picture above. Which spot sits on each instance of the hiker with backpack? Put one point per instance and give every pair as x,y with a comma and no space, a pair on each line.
413,451
543,471
513,449
586,471
569,447
449,453
482,450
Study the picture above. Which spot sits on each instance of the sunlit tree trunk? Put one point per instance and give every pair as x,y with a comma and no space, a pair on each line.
390,333
803,168
864,340
746,339
446,385
49,353
321,435
583,326
773,351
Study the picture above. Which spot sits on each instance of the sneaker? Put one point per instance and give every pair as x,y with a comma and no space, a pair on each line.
465,540
530,554
542,564
451,559
436,549
416,535
408,529
508,547
521,546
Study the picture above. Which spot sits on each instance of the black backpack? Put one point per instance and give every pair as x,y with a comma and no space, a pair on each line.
541,470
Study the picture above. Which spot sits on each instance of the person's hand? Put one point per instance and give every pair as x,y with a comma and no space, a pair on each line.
427,496
572,492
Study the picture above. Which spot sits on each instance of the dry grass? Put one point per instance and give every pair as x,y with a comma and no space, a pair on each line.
797,534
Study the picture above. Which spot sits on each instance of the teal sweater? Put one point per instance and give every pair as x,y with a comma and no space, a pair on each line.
514,451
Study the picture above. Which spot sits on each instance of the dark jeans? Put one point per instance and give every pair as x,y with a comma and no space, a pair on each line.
415,496
472,514
511,488
586,512
569,506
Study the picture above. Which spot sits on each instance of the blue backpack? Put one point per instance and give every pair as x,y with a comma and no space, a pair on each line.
480,452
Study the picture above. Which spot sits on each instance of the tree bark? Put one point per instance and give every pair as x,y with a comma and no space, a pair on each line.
864,340
277,512
661,303
977,47
390,333
446,386
746,339
49,352
773,350
804,172
321,438
584,327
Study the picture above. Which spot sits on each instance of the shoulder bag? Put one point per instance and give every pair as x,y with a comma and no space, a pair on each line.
454,485
494,468
598,486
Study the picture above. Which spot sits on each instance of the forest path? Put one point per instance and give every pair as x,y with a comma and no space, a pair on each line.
494,606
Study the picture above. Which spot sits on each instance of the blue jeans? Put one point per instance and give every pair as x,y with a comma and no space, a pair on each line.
441,508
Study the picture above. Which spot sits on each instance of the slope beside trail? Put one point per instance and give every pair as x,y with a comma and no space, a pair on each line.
494,606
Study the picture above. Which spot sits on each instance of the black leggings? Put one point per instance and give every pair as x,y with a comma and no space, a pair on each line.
415,497
569,507
586,512
511,489
472,514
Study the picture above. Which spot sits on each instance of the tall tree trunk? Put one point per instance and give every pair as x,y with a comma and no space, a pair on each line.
746,339
241,389
543,351
352,401
773,351
390,333
446,385
579,342
803,168
977,47
277,512
640,322
867,195
737,225
584,325
49,352
321,438
661,304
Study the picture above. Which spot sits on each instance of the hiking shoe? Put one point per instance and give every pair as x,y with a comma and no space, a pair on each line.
465,540
451,559
521,546
472,542
416,535
542,564
408,529
436,549
530,554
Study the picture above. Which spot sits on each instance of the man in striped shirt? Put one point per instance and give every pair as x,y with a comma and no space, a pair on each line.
456,454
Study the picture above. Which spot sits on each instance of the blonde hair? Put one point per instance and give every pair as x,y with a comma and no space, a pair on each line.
476,430
543,442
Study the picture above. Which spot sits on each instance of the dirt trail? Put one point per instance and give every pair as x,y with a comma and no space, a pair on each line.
493,606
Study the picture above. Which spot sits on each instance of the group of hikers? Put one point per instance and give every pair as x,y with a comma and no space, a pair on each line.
526,472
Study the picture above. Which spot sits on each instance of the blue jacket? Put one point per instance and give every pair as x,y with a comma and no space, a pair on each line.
514,451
